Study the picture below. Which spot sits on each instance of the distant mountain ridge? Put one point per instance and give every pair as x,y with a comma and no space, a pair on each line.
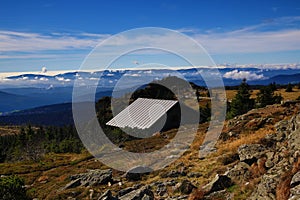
109,78
52,115
43,89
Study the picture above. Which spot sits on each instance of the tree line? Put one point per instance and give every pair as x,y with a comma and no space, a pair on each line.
33,142
242,102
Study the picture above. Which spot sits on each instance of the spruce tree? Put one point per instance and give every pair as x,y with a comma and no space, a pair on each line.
289,88
266,96
242,102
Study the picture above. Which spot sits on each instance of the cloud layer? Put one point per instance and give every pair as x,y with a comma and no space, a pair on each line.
277,35
239,75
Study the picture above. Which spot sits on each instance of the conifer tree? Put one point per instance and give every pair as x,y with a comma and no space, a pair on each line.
242,102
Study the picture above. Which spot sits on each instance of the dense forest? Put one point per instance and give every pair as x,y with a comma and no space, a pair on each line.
33,142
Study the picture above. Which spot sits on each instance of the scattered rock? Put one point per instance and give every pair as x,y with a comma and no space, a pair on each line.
91,178
170,183
220,182
296,179
250,153
173,174
143,193
240,172
136,173
127,190
107,196
256,123
269,164
295,191
161,189
72,184
185,187
223,194
194,174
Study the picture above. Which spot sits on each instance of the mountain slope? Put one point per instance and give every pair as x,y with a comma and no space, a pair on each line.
54,115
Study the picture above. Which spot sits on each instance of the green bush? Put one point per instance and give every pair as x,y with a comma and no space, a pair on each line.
12,188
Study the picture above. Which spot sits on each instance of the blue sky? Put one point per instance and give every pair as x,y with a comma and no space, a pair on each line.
59,34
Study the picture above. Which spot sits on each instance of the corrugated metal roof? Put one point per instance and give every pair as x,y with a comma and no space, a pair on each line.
142,113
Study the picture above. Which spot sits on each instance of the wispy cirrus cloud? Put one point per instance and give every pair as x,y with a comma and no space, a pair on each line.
248,39
251,42
32,42
272,35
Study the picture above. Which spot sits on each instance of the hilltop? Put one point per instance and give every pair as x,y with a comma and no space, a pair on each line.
256,156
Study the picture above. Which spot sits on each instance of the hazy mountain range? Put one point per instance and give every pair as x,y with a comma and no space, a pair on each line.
27,91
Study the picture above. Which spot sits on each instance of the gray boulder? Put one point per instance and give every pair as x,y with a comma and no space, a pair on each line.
107,196
136,173
73,184
91,178
223,194
249,153
239,173
220,182
143,193
185,187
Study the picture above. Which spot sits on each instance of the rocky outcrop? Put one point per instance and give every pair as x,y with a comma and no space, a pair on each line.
265,168
91,178
107,196
220,182
144,193
223,194
273,161
136,173
132,193
281,160
185,187
250,153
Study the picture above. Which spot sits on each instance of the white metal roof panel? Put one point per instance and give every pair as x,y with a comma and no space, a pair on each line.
142,113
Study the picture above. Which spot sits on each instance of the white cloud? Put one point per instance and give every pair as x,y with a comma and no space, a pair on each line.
239,75
280,34
43,79
132,75
21,41
60,78
252,39
251,42
44,70
135,62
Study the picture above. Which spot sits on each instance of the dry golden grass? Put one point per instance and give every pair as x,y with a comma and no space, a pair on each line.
9,130
286,95
289,95
250,138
